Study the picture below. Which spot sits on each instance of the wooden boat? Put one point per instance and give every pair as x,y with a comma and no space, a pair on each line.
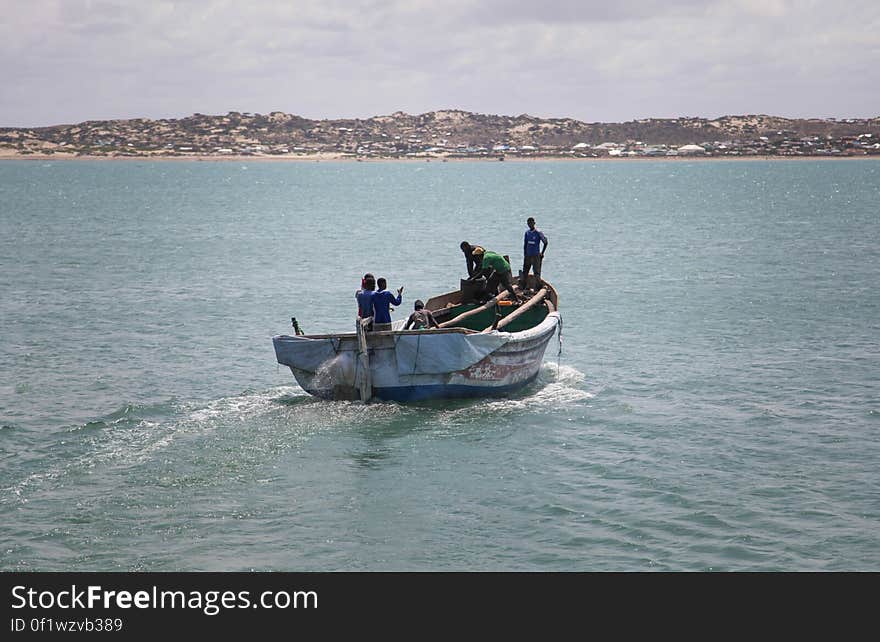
481,349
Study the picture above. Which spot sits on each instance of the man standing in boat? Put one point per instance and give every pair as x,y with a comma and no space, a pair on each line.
533,254
382,301
364,297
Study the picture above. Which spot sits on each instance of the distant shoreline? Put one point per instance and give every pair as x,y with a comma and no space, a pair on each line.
443,136
317,158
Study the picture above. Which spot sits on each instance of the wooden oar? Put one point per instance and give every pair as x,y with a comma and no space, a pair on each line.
528,305
464,315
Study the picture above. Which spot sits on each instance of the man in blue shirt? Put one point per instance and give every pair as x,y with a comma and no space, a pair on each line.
382,301
533,254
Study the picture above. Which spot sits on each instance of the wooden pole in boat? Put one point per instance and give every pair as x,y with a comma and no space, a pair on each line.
364,382
528,305
464,315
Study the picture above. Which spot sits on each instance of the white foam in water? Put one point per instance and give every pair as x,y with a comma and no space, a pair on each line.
112,444
285,413
556,387
241,406
118,444
563,384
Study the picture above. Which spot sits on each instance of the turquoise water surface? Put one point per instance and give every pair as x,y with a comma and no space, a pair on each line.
714,407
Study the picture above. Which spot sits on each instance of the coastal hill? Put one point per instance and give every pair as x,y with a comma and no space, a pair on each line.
447,133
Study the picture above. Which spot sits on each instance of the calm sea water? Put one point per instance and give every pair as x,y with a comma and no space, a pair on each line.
714,406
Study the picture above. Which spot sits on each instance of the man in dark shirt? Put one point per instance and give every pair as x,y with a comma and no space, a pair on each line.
421,318
474,260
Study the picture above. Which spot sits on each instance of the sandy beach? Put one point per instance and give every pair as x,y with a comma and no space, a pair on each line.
11,154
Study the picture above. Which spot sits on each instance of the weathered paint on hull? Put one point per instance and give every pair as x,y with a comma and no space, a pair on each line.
424,393
428,391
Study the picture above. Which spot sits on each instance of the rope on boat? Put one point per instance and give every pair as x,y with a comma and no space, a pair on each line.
559,352
418,349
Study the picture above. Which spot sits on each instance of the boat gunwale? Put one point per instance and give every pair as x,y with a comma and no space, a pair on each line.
392,333
382,333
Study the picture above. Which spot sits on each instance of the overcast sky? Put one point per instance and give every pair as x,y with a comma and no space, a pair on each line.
65,61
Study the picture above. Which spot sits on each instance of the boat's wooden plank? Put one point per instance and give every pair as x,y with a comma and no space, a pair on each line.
353,335
365,382
443,300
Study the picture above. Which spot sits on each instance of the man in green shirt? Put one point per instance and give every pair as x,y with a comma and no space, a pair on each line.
497,270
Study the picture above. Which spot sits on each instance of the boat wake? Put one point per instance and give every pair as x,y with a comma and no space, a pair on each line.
555,387
221,438
561,384
204,443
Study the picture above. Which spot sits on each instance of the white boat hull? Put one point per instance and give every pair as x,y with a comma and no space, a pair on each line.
418,365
